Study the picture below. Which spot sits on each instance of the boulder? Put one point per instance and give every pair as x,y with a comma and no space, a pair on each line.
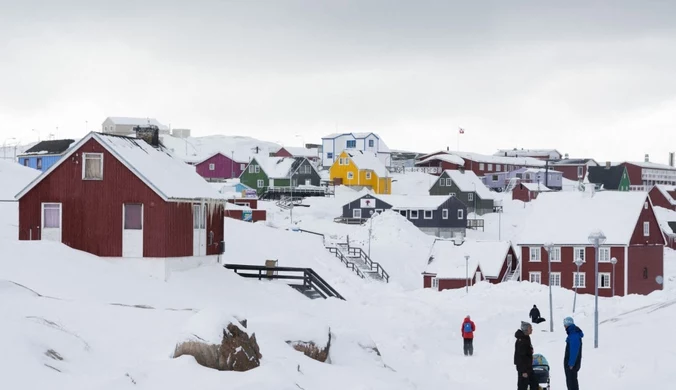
312,350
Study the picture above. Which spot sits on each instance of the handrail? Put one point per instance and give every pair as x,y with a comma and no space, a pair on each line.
353,250
348,264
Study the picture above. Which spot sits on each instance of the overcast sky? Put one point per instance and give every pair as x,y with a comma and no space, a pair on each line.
592,79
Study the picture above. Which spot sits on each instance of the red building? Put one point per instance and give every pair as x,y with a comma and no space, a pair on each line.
116,196
663,196
644,175
245,209
566,219
480,164
492,261
573,168
526,192
290,151
220,167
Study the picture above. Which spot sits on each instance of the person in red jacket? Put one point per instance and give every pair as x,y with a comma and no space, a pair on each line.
467,330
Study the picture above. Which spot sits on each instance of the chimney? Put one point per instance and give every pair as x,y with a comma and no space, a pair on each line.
448,149
566,156
150,134
671,159
647,157
607,164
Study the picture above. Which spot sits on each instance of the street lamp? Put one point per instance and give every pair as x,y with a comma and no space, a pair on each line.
466,273
4,146
578,263
596,238
613,261
548,248
370,228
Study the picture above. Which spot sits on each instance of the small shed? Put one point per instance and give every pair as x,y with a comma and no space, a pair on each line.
526,192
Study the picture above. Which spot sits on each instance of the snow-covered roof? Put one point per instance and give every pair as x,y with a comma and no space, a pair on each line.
413,202
482,158
664,189
468,181
451,158
367,160
276,167
239,148
57,146
302,152
666,219
169,177
382,146
575,161
118,120
551,153
535,187
567,218
651,165
449,260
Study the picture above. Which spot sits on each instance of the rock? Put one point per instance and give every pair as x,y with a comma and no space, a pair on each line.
312,350
239,351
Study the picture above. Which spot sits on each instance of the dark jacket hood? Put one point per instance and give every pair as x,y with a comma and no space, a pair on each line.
520,335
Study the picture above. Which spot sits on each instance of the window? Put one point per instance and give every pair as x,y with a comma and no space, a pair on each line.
435,283
252,169
133,217
495,177
51,215
371,143
428,214
449,182
212,167
604,255
604,279
646,229
579,280
260,183
444,213
451,193
580,171
258,169
340,161
527,176
519,175
351,144
645,205
199,218
329,155
578,253
25,162
461,214
535,253
38,163
490,167
470,196
92,168
498,168
413,214
481,166
535,277
350,175
403,213
442,182
555,279
555,254
242,167
368,175
356,213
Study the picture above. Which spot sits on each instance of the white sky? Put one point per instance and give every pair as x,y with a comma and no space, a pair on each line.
592,79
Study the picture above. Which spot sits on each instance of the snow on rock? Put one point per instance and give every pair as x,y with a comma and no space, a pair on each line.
209,324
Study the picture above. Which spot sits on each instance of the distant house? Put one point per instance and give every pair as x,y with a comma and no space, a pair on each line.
219,166
290,151
478,163
245,210
566,219
116,196
549,178
492,261
360,169
609,177
442,161
540,154
644,175
441,216
663,196
573,168
667,220
125,126
467,187
44,154
267,173
334,144
526,192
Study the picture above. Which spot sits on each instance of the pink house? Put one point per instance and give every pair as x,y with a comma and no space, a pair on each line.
219,167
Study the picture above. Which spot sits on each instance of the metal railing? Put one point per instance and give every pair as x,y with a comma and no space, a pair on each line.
350,265
310,278
375,267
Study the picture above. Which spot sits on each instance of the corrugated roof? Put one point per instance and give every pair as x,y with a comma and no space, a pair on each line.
449,260
367,160
468,181
57,146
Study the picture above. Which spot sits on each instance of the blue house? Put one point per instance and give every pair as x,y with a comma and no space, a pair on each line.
45,154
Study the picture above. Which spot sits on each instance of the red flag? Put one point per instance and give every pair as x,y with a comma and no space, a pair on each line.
462,131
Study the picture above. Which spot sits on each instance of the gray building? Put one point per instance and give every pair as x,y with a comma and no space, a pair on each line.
467,187
440,216
125,126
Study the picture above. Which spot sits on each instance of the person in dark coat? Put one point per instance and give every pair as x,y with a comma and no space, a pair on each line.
534,314
523,358
467,330
572,358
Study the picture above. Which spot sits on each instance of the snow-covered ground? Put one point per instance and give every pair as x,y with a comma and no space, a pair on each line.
200,148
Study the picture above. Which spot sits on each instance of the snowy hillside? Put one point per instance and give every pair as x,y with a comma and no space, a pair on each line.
196,149
14,178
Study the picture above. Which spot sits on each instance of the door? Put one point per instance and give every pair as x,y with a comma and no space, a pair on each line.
308,182
51,222
199,226
272,183
132,230
478,277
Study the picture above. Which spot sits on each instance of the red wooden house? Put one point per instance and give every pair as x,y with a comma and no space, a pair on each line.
480,164
118,196
663,196
526,192
574,168
245,209
291,151
566,219
492,261
218,167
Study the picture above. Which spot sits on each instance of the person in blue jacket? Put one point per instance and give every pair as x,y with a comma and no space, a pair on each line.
572,358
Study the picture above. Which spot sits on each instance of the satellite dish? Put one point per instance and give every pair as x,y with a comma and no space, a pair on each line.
659,279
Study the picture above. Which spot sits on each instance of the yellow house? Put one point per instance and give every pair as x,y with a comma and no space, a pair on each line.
358,168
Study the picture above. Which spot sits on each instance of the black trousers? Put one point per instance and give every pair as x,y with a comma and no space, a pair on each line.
531,381
571,379
468,346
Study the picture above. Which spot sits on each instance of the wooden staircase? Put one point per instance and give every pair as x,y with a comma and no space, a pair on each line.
356,259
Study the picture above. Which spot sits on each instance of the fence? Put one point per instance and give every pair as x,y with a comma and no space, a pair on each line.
430,170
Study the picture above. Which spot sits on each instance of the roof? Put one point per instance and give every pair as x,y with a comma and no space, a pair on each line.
665,190
367,160
573,161
535,187
382,146
118,120
451,158
538,170
568,217
57,146
482,158
667,220
651,165
468,181
448,260
609,177
278,167
301,152
169,177
413,202
527,153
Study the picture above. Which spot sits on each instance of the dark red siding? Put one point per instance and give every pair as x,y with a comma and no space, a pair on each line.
442,165
503,271
645,264
224,168
570,171
634,173
655,237
523,194
92,210
256,215
658,199
283,153
251,203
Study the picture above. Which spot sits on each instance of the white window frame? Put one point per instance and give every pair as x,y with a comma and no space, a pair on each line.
498,168
490,167
260,183
199,217
84,165
258,169
604,255
535,254
461,213
555,276
576,277
212,166
645,205
535,277
449,182
42,214
442,182
555,254
481,166
606,275
431,214
252,168
411,215
242,166
470,196
356,213
580,171
444,214
435,283
350,175
451,193
646,229
368,175
584,253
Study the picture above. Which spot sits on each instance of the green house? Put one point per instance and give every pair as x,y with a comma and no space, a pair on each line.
610,177
264,173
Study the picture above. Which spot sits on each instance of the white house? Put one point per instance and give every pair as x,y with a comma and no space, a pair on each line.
334,144
125,126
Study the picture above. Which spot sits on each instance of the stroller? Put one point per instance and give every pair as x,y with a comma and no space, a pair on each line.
541,370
